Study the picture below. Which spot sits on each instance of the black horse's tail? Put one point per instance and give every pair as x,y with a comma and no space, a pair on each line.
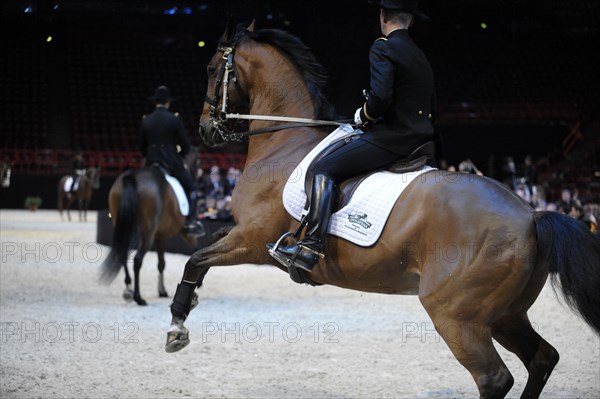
125,230
572,253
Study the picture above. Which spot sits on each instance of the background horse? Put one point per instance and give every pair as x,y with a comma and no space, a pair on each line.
5,172
143,207
476,254
83,195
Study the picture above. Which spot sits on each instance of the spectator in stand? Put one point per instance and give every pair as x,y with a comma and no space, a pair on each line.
537,200
201,184
567,202
215,185
591,222
508,172
233,177
576,212
529,172
467,166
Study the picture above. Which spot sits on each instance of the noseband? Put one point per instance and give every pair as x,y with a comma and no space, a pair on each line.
219,119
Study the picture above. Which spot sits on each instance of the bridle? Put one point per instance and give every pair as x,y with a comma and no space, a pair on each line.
219,119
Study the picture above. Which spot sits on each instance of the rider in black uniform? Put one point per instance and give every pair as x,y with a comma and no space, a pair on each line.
162,132
78,170
396,118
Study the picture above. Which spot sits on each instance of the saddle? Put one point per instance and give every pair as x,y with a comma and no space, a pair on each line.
420,157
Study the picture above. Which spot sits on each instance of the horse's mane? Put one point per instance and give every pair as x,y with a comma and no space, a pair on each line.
315,75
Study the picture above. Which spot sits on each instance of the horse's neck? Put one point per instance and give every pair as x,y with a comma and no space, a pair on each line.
281,93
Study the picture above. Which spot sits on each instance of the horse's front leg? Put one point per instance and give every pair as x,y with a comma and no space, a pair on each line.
80,209
230,250
69,202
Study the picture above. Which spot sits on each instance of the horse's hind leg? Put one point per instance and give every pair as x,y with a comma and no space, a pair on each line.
59,204
85,208
160,250
128,293
137,265
517,335
69,202
472,346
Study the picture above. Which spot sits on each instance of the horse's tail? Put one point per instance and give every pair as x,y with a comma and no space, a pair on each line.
572,253
125,229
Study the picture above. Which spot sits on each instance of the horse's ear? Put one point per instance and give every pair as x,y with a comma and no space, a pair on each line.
252,27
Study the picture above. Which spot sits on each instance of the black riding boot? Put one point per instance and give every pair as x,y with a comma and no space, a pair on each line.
307,252
192,226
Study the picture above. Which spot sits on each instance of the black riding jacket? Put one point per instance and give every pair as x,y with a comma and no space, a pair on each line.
401,96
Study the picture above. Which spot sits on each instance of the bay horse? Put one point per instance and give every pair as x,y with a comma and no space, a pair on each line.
475,253
83,194
144,210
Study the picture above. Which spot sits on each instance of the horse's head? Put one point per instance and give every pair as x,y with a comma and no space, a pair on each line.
94,175
226,88
264,71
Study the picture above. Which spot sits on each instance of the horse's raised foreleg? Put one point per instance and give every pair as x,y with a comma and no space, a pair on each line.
517,335
160,251
231,250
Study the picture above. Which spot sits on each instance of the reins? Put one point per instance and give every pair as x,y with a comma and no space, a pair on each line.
219,120
296,122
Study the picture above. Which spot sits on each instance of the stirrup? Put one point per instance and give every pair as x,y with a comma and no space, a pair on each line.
276,255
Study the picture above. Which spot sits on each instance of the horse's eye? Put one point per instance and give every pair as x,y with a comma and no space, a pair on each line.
210,70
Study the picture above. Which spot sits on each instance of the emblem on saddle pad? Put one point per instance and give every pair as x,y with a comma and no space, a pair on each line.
360,219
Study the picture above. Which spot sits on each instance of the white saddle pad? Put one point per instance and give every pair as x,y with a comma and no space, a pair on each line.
68,184
184,206
69,181
362,220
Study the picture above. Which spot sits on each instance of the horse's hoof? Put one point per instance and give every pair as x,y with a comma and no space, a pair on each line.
177,340
195,301
163,295
128,295
141,302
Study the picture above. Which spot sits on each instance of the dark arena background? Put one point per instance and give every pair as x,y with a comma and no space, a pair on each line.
514,78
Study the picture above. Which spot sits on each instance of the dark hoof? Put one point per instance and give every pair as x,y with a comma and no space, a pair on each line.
163,295
140,302
176,341
128,295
